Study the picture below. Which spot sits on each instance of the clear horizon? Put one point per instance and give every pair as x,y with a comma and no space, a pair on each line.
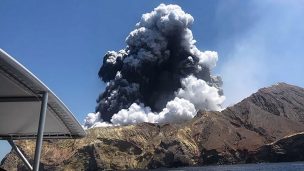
259,43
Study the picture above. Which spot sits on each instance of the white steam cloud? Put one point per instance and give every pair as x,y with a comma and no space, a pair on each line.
200,94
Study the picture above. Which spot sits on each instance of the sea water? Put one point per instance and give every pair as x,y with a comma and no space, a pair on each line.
292,166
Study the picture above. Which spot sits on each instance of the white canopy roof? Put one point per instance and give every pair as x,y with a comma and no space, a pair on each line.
20,103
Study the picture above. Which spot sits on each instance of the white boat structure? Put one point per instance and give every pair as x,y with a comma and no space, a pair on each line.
30,110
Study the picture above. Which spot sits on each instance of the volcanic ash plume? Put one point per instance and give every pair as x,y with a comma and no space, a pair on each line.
160,76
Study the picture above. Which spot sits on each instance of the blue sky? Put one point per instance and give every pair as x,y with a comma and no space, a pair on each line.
63,42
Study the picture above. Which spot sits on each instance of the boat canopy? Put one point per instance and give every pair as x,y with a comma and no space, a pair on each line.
30,110
21,97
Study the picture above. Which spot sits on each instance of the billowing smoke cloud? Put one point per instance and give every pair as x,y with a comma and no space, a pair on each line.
94,120
161,76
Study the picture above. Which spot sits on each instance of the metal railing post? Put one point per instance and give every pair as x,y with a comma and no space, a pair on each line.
19,153
40,131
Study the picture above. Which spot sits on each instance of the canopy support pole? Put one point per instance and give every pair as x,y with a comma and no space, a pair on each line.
19,153
40,131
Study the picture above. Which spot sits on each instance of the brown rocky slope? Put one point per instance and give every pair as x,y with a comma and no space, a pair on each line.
238,134
287,149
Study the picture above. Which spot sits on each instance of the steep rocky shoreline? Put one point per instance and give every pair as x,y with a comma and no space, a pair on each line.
253,130
287,149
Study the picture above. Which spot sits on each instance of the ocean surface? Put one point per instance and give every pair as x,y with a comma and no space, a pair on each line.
292,166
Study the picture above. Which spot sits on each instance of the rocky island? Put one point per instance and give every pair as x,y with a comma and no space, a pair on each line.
267,126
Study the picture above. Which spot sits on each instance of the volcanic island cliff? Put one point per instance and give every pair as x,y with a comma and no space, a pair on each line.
267,126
